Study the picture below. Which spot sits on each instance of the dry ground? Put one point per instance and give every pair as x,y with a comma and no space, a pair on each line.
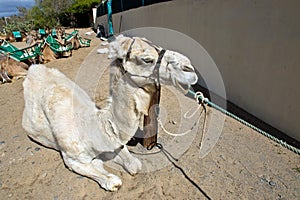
242,165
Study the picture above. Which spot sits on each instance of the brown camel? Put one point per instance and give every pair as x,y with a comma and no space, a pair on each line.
11,69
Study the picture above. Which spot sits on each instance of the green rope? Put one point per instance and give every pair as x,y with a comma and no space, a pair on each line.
206,101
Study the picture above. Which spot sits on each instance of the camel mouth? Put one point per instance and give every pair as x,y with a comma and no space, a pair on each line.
183,87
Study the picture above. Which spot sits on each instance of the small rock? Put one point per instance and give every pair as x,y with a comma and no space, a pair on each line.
37,148
104,43
264,180
12,161
10,195
2,142
172,122
89,32
44,175
223,157
16,136
55,197
261,180
102,51
272,183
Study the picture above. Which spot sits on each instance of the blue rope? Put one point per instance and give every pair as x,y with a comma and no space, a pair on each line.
281,142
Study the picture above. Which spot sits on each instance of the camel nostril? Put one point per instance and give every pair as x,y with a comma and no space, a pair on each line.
187,69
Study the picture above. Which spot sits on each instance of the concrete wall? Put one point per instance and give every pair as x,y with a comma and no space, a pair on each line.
255,44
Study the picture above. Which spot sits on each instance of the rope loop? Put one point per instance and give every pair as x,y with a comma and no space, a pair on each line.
168,132
204,101
199,95
186,116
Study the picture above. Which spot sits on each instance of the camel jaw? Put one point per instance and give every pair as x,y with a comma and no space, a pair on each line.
183,87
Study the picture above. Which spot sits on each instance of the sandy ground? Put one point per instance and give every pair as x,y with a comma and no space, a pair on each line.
242,165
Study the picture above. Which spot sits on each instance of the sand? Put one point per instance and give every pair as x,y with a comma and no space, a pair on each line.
242,164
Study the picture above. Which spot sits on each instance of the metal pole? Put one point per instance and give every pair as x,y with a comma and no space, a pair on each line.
5,18
109,16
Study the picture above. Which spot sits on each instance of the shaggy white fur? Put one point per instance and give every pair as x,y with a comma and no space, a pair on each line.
60,115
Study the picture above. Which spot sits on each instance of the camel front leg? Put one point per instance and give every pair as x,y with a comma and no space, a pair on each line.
4,76
128,161
94,170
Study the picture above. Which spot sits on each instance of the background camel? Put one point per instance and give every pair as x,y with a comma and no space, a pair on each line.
11,69
47,54
31,38
74,41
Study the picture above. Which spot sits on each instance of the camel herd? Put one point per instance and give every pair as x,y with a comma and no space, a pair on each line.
33,33
53,45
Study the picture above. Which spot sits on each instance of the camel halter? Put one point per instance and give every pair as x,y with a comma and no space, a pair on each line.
155,74
150,121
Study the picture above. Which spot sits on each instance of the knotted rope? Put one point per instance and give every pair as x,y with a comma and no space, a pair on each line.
202,102
281,142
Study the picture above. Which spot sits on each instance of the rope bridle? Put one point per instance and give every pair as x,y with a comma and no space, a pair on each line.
150,121
155,74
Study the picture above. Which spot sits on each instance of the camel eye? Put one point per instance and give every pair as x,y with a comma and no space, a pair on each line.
148,60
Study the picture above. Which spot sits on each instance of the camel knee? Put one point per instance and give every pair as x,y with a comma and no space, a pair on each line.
4,76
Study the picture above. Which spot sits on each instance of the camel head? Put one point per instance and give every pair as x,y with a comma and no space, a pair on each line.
145,62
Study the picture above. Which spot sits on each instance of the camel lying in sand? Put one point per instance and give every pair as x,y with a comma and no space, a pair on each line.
9,68
47,54
60,115
31,38
75,42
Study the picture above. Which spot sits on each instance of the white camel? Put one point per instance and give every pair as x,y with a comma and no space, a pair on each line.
60,115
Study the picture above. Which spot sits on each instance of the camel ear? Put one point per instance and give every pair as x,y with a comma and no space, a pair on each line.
119,47
141,101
